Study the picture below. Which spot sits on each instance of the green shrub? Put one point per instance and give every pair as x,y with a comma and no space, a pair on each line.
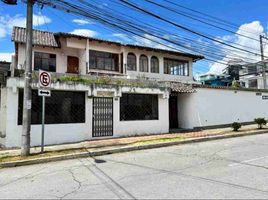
260,121
235,84
236,126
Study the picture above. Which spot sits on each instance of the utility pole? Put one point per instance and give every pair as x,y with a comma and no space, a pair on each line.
263,64
27,98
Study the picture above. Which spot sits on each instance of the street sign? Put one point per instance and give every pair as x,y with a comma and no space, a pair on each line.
44,79
44,86
45,93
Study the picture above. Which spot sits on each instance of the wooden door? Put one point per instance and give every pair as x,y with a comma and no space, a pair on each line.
72,64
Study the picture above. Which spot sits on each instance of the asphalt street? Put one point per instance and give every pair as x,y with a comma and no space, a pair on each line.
229,168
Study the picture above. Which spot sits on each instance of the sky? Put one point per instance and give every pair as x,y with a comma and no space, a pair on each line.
248,15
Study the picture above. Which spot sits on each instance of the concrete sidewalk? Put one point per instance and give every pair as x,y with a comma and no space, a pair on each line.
126,141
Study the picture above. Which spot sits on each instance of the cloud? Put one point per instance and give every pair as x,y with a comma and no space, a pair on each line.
253,30
82,22
7,22
39,20
84,32
6,57
123,37
151,41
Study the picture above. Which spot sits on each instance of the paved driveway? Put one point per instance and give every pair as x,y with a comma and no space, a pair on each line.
230,168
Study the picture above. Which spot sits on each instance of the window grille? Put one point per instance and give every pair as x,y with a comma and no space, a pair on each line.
61,107
138,107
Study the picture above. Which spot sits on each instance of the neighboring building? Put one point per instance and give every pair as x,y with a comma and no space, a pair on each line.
104,89
214,79
5,66
251,74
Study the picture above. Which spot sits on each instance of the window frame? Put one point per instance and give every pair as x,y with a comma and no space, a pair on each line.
131,68
55,104
100,60
41,59
253,81
143,60
132,100
182,68
154,67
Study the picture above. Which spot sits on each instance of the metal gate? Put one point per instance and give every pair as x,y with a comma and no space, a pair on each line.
102,123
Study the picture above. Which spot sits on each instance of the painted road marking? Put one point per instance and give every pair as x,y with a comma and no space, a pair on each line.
247,161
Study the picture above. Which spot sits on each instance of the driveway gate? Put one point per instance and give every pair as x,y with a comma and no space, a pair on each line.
102,122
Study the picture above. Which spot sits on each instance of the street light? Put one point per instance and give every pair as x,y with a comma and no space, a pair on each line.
10,2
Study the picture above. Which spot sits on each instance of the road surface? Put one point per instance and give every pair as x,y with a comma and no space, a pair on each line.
230,168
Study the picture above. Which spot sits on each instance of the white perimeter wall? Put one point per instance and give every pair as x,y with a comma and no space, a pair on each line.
124,128
54,133
76,132
209,107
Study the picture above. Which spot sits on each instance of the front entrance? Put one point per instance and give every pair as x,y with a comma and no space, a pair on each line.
173,112
72,64
102,122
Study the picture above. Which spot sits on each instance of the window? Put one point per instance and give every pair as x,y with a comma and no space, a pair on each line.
131,62
176,67
103,60
253,83
154,65
45,61
252,69
138,107
143,63
61,107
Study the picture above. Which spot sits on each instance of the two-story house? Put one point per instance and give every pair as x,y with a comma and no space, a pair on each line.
252,74
100,88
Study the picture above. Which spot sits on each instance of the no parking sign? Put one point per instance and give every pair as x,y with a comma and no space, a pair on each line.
44,79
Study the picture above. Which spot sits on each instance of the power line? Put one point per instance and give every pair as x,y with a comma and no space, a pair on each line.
183,27
210,17
199,20
119,26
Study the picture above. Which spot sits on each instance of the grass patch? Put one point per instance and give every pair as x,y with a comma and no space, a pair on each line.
39,155
156,141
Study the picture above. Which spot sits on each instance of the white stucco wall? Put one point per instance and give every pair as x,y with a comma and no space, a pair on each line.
127,128
209,107
54,133
75,132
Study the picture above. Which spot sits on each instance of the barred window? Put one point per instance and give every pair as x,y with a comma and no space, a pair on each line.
253,83
131,62
45,61
61,107
138,107
176,67
143,63
154,65
103,60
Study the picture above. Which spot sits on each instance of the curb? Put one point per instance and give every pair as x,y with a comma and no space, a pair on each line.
121,150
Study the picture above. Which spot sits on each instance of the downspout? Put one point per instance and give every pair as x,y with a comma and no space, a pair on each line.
87,56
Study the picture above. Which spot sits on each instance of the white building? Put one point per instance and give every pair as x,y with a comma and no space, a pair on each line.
251,74
104,89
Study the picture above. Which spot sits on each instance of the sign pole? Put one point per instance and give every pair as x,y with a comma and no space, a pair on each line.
44,91
43,123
